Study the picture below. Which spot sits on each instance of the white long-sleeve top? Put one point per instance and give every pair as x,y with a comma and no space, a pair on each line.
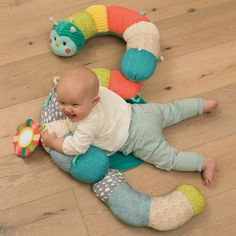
106,127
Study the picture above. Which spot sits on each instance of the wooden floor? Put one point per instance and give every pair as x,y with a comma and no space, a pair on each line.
198,40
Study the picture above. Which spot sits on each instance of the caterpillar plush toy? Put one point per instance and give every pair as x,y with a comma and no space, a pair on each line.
138,63
142,37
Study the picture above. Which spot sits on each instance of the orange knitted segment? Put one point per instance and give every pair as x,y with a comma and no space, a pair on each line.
122,86
120,18
99,14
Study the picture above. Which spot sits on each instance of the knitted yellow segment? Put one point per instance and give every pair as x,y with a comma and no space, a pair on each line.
84,21
170,211
99,14
195,197
103,76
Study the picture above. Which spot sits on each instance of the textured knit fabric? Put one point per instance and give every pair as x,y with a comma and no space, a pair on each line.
105,127
90,167
103,76
143,35
146,42
122,86
170,211
138,64
142,27
120,18
99,14
146,141
63,29
84,21
195,197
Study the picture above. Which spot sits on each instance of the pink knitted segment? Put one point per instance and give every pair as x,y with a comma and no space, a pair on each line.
122,86
120,18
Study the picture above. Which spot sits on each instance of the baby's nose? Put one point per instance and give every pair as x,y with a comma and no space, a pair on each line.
68,108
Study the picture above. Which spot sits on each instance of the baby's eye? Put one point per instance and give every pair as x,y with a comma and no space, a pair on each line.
61,103
75,105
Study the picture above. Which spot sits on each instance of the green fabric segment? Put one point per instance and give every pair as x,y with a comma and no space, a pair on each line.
84,21
136,99
28,122
31,147
195,197
47,100
19,128
23,153
121,162
103,76
63,29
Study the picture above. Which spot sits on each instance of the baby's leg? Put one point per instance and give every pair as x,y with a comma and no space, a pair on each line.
159,153
163,156
180,110
186,108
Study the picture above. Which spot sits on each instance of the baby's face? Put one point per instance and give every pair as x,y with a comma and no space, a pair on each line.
73,105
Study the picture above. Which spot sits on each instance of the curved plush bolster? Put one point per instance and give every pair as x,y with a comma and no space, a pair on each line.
138,209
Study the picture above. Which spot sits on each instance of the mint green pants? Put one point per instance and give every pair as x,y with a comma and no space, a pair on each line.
146,141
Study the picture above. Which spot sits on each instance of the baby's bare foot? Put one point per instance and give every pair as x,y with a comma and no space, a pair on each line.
209,170
210,106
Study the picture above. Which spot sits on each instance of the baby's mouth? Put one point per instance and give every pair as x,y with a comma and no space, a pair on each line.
71,116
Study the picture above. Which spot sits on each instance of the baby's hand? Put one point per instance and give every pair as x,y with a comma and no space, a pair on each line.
48,139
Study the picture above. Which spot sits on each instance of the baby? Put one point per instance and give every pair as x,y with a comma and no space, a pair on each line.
97,116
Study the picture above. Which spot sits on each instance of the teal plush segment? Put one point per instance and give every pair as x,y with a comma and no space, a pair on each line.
63,161
91,166
136,100
138,65
129,206
121,162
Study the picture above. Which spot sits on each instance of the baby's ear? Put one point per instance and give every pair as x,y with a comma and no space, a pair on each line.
96,100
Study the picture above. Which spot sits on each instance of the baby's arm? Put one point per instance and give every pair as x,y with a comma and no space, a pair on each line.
79,142
52,141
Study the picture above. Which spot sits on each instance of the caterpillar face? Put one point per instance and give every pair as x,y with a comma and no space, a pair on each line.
62,45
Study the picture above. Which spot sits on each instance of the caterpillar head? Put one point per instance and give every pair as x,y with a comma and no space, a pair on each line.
66,39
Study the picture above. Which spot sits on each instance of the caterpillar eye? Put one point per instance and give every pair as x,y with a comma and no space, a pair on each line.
64,43
55,38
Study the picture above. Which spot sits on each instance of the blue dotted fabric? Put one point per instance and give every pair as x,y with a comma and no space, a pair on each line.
91,166
138,65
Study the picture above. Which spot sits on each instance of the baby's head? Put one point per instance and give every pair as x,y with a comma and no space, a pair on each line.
77,93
